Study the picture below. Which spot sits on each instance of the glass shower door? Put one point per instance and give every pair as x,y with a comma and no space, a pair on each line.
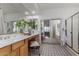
69,32
75,32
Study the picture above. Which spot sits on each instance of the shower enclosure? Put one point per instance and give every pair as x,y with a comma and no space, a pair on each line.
72,28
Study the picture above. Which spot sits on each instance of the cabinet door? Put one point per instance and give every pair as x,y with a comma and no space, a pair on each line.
17,45
5,50
14,53
27,48
23,50
75,32
69,32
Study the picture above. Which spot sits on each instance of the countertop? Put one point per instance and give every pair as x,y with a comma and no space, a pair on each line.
13,38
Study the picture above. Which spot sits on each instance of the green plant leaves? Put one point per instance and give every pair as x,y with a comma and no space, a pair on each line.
32,24
22,23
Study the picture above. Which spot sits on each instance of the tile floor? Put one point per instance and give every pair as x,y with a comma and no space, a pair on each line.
51,50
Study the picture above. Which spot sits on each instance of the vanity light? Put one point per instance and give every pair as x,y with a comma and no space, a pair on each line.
33,17
26,13
33,12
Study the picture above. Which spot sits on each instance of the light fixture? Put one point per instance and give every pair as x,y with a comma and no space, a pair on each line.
33,17
33,12
26,13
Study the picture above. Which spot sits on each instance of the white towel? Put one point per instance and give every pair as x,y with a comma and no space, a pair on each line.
34,43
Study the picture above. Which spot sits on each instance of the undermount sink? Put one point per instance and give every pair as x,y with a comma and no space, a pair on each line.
4,37
11,38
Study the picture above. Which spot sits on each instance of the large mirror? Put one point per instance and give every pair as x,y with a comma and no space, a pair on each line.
15,26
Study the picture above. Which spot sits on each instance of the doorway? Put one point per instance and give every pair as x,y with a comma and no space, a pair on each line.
50,31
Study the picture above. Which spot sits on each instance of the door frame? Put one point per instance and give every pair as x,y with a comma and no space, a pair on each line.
52,25
49,26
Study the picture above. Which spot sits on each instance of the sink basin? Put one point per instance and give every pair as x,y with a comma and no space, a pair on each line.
4,37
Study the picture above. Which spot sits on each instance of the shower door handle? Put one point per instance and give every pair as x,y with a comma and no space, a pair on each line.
71,32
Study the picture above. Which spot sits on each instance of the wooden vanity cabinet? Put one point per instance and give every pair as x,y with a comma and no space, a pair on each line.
20,48
23,50
17,45
27,48
5,50
14,53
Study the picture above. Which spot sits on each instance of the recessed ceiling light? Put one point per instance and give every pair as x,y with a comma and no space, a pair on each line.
33,12
26,13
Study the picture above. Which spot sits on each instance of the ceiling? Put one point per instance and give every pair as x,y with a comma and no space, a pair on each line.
29,7
45,6
38,7
12,7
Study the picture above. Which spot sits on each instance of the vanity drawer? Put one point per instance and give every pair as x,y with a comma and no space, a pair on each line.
5,50
17,45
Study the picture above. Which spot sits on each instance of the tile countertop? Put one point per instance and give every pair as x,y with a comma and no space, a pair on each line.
13,38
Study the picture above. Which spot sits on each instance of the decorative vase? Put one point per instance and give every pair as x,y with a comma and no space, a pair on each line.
29,30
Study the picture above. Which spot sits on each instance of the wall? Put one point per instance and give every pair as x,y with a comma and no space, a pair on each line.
1,20
62,12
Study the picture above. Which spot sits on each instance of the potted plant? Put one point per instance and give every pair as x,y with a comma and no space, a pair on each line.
33,26
20,24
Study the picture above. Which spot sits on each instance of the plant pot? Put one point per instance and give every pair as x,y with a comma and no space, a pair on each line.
33,31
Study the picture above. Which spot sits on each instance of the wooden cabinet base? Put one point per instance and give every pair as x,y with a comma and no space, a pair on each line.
17,49
5,50
14,53
24,49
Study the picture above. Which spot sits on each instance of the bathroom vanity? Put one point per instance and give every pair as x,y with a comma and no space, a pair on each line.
15,44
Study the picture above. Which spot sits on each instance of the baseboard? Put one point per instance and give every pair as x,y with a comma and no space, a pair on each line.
73,53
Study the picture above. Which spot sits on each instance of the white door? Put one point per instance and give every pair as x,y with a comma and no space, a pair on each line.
75,32
69,32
